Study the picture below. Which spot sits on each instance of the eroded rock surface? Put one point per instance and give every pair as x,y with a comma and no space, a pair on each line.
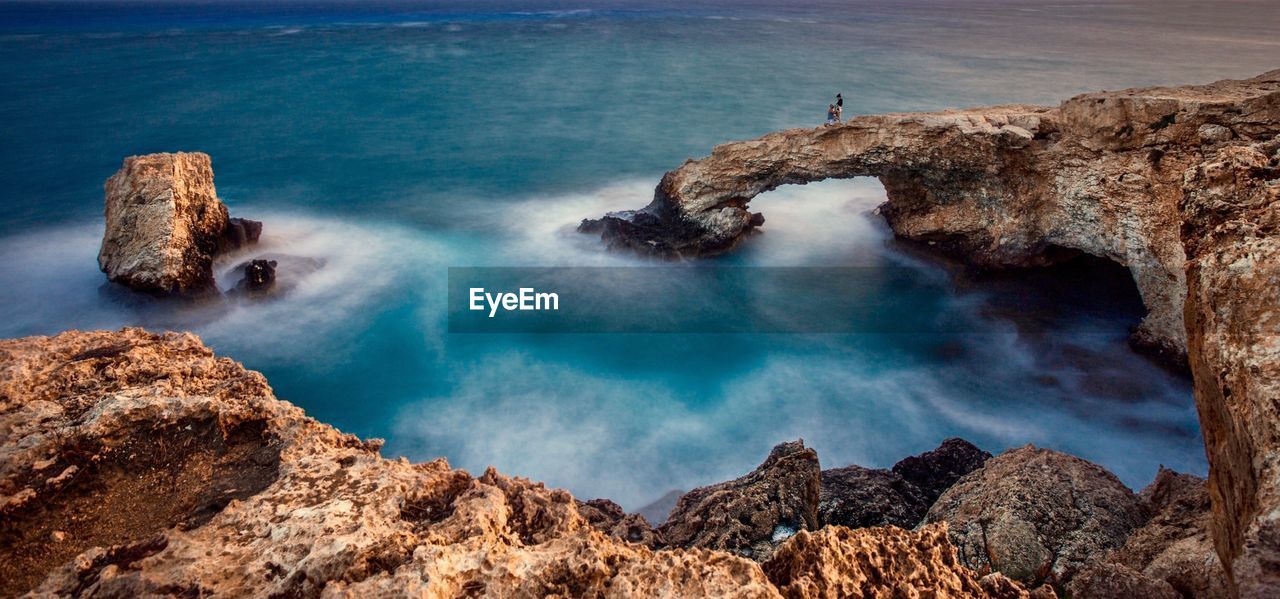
752,514
934,471
140,464
1037,515
838,562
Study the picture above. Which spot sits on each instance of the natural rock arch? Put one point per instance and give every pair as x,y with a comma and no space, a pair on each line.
1181,185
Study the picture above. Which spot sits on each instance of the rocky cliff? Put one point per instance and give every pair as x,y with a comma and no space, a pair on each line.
1179,184
139,464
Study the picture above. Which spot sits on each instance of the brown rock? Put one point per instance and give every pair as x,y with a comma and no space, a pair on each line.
1037,515
859,497
888,562
1232,240
933,472
195,480
1109,580
164,224
750,515
609,518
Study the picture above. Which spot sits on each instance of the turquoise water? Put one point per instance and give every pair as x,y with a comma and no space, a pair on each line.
398,139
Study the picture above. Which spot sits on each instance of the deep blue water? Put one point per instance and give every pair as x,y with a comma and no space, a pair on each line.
397,139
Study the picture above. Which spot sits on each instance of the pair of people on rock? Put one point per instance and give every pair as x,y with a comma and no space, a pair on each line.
835,111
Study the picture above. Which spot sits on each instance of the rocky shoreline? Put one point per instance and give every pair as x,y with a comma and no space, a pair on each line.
1181,185
137,463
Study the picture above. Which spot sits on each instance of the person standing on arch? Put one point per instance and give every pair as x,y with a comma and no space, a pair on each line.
839,108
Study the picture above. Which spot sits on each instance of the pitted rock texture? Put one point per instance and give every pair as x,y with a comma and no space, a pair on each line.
164,224
1109,580
752,514
139,464
1037,515
888,562
609,517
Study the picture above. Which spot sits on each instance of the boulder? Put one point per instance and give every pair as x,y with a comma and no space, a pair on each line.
164,223
259,276
1174,546
752,514
859,497
240,232
935,471
1037,515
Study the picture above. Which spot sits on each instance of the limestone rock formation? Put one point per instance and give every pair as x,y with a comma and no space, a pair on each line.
934,471
1173,549
165,224
139,464
752,514
1179,184
837,562
1232,240
1037,515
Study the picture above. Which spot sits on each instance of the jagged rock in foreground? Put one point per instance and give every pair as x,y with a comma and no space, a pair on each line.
859,497
752,514
1037,515
165,224
1179,184
136,464
880,562
1171,552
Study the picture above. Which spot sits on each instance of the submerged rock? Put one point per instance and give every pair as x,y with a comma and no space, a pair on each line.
259,276
164,223
1037,515
752,514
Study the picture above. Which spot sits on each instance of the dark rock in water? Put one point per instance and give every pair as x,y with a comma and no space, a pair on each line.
609,518
661,507
753,514
1037,515
239,233
271,274
935,471
860,497
259,275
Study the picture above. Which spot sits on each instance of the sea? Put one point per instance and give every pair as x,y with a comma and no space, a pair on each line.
396,140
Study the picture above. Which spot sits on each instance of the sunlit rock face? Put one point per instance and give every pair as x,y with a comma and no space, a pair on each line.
164,224
140,464
1179,184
